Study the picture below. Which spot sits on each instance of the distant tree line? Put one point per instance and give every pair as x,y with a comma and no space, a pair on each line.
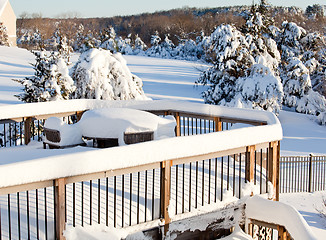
35,32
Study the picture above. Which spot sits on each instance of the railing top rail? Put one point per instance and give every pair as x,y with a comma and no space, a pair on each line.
46,109
32,165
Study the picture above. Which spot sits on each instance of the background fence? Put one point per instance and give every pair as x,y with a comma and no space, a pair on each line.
302,174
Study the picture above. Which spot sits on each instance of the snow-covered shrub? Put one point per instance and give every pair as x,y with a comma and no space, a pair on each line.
51,80
3,35
99,74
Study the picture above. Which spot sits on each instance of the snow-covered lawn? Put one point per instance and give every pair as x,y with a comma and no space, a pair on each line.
173,79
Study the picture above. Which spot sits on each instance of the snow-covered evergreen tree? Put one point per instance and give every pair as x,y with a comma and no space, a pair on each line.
303,69
108,40
187,50
3,35
51,80
167,48
243,71
139,47
62,45
155,49
99,74
124,45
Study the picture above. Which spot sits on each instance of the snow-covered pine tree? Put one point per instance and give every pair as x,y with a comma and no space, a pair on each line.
155,49
244,71
167,48
187,50
51,80
124,45
3,35
139,47
108,40
303,69
99,74
62,45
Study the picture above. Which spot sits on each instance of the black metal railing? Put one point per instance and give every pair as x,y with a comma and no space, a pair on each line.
302,174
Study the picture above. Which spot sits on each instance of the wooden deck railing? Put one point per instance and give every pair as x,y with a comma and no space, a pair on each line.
133,195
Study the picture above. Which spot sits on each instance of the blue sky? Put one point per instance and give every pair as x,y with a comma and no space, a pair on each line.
109,8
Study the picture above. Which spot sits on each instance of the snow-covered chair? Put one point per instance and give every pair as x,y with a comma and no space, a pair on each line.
58,134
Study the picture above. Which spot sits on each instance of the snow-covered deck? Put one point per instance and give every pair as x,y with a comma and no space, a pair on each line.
222,163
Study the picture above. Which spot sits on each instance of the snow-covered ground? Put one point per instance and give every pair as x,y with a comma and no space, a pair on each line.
173,79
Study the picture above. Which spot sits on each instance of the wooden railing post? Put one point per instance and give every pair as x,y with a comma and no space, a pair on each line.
218,124
60,207
165,193
178,128
27,130
250,163
79,115
282,233
273,167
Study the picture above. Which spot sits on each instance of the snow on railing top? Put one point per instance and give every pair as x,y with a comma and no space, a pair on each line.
30,164
57,107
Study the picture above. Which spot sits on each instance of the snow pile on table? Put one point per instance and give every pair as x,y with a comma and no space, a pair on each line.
114,122
99,74
69,134
279,213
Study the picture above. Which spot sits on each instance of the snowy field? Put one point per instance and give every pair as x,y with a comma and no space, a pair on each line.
173,79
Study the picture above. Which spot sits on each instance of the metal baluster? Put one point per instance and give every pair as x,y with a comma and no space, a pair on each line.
45,215
73,205
18,216
145,195
176,189
82,203
153,195
107,201
9,217
99,201
123,201
115,202
37,218
90,201
138,197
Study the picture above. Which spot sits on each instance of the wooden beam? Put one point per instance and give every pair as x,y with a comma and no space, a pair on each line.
250,163
27,130
60,208
165,193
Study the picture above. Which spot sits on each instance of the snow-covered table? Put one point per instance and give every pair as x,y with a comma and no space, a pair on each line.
119,126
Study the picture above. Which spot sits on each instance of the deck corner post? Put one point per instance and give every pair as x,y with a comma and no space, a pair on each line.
165,193
60,208
27,130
